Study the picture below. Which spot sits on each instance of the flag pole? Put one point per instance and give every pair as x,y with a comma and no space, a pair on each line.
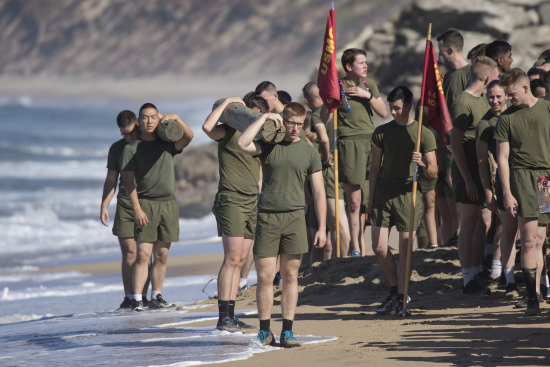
336,178
413,201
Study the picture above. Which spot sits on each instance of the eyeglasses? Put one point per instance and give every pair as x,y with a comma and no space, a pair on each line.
135,131
292,124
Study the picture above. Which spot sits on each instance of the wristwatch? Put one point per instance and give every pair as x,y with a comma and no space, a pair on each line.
369,99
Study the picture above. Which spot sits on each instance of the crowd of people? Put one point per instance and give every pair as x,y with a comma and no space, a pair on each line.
276,203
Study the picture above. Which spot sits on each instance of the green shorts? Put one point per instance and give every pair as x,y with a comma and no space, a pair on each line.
235,214
421,231
443,190
281,233
354,157
523,184
163,224
123,225
424,185
328,176
392,207
459,185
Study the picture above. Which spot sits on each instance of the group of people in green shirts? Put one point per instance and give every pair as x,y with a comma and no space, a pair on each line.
264,188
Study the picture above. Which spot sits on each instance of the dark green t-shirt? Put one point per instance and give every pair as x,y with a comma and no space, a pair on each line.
153,164
455,82
358,122
486,130
239,172
528,132
398,143
114,162
466,112
285,167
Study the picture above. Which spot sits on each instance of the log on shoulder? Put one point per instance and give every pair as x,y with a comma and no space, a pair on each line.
170,130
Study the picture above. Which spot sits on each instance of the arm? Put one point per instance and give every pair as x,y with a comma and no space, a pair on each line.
260,179
307,127
428,162
483,162
378,105
373,177
109,188
246,142
324,144
187,133
211,127
503,152
139,215
318,186
460,158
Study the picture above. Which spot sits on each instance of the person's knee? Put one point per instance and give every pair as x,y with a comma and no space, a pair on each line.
379,249
143,256
354,204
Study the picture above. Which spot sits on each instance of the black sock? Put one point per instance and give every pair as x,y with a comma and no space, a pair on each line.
393,290
530,282
265,325
231,309
400,297
287,325
223,307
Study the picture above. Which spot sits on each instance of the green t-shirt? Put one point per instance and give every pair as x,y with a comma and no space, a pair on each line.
239,172
317,116
114,162
285,167
358,121
455,82
528,132
466,112
485,131
153,164
398,143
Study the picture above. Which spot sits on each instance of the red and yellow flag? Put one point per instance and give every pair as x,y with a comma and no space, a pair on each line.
327,80
432,95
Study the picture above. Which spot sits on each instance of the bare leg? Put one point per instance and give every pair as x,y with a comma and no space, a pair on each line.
248,265
541,237
508,239
428,199
362,234
344,226
158,270
353,196
480,236
247,246
141,266
385,258
128,249
327,253
266,267
469,215
289,296
446,220
454,209
232,249
402,266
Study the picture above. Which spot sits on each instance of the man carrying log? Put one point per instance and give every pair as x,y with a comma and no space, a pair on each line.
235,211
150,162
281,228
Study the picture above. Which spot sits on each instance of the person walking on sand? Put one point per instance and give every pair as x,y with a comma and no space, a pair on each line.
281,228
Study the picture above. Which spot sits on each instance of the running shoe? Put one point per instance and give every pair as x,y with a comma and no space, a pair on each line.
243,287
522,303
398,309
241,324
227,324
137,305
502,282
288,340
127,303
452,241
544,291
354,254
265,338
511,290
473,287
145,300
388,305
278,279
532,307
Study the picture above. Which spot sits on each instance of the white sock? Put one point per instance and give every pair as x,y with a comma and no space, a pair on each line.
544,280
242,282
488,249
509,274
496,269
137,297
458,231
154,294
129,296
466,276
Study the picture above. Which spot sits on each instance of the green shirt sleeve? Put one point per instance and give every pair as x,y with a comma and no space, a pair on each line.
316,164
128,159
428,142
229,131
483,131
461,116
502,130
112,163
378,137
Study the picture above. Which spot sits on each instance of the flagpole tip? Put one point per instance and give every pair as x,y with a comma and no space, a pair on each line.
332,5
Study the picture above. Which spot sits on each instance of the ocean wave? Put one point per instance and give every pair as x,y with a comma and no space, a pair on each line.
57,151
19,318
41,277
72,169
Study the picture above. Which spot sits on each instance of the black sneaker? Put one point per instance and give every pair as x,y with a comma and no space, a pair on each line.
241,324
502,282
474,287
522,303
227,324
544,291
159,302
511,290
127,303
137,305
388,305
145,300
265,338
452,241
288,340
532,307
398,309
278,279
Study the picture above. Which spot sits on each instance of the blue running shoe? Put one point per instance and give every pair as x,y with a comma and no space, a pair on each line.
265,338
288,340
354,254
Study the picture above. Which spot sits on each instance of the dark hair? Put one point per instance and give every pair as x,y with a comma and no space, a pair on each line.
258,102
284,97
126,118
452,38
536,83
348,57
497,48
265,86
533,71
247,96
146,106
546,80
545,54
401,93
478,50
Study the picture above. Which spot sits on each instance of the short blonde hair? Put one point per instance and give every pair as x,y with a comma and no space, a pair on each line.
513,77
483,67
294,108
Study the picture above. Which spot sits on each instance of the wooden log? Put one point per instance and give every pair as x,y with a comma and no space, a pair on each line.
170,130
240,117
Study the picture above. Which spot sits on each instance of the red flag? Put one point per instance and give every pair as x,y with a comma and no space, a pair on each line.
432,95
327,79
